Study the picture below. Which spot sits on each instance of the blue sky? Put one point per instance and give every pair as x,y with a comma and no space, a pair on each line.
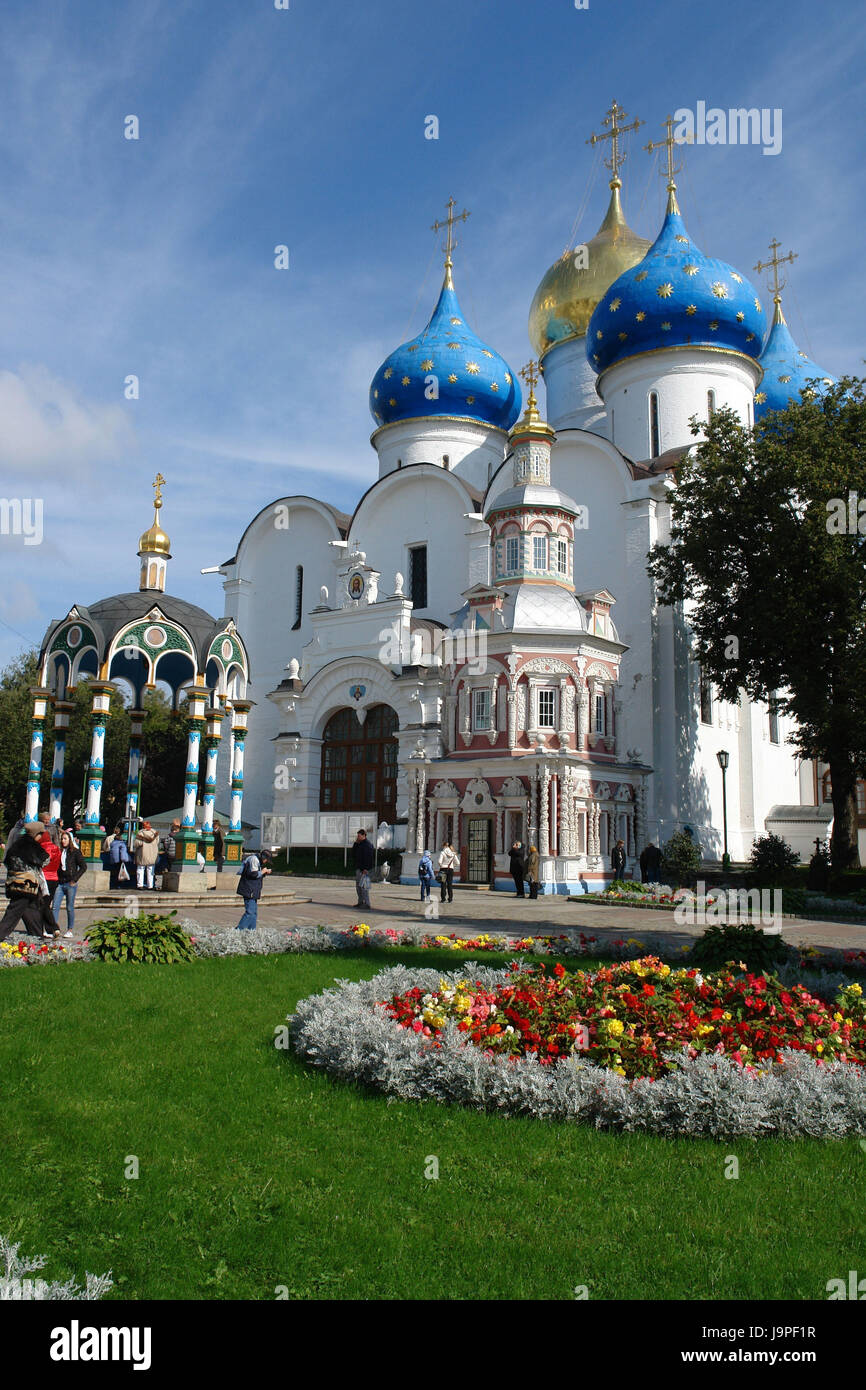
305,127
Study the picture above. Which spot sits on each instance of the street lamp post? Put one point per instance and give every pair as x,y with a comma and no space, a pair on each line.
724,758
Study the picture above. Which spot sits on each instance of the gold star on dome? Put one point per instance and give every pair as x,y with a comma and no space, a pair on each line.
786,379
598,333
740,316
595,357
389,372
453,346
622,337
750,337
427,364
456,320
681,238
472,368
801,354
494,386
470,400
452,377
760,397
413,348
666,328
508,378
404,381
487,352
714,325
665,291
375,395
614,305
691,309
392,401
690,269
735,276
640,316
641,275
719,290
757,304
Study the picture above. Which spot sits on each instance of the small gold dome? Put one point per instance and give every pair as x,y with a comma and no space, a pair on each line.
568,294
154,541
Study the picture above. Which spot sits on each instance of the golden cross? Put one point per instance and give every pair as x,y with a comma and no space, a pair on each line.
450,243
668,143
617,157
529,373
158,484
773,264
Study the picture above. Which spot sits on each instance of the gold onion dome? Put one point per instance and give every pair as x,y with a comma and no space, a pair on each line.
575,284
154,541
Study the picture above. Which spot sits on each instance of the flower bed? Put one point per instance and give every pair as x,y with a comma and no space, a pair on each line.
632,1018
354,1033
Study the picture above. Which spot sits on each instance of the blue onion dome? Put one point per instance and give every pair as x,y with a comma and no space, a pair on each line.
675,297
472,381
786,369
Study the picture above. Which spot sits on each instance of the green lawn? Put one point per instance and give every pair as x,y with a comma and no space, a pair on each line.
257,1172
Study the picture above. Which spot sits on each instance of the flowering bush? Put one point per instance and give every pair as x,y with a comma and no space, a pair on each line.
26,952
635,1017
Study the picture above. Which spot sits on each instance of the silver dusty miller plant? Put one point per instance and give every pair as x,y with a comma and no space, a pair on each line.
347,1032
16,1283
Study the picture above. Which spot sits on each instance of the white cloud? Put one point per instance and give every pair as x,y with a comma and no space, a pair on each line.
47,423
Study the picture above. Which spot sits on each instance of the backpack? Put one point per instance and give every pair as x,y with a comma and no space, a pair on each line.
425,868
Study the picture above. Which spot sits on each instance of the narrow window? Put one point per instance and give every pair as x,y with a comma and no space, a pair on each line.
612,431
480,710
299,597
547,709
539,552
654,424
774,719
562,556
711,404
512,554
446,461
418,575
599,714
706,690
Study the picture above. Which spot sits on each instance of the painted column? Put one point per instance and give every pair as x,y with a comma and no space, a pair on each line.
412,815
234,837
62,711
135,740
422,809
554,809
543,818
41,701
640,817
511,702
212,738
187,838
91,838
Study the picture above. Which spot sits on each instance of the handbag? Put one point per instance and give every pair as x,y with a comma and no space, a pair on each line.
123,874
23,883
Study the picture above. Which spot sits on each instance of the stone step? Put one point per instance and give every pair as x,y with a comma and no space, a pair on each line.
149,901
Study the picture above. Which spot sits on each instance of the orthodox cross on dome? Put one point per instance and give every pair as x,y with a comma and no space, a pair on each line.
668,144
158,484
617,156
529,373
450,243
773,264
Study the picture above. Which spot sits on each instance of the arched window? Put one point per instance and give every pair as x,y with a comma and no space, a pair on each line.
359,763
711,405
299,597
655,435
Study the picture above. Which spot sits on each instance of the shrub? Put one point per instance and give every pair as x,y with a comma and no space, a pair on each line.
758,952
793,899
681,859
773,860
146,939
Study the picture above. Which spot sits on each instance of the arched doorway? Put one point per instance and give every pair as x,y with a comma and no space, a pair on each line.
359,763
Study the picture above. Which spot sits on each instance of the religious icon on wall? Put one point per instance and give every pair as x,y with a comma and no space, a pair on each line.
356,586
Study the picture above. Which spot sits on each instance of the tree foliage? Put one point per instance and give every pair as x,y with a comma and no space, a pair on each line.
775,591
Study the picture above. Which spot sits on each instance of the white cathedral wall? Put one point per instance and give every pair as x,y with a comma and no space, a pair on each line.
260,596
570,383
681,378
470,449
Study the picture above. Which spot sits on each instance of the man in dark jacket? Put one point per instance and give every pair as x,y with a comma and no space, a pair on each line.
250,887
27,901
362,858
517,866
617,859
651,863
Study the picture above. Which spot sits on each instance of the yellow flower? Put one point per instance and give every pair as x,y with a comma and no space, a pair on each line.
855,989
615,1027
620,1071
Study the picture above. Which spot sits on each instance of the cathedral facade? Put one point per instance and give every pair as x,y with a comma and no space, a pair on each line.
475,653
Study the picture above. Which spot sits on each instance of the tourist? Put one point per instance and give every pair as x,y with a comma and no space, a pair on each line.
168,849
76,833
119,856
650,863
449,860
17,829
250,887
617,859
362,858
517,868
24,885
425,874
146,846
218,846
49,868
69,871
51,827
532,871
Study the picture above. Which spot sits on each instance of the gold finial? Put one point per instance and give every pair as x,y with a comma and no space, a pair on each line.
158,484
778,284
530,375
450,243
617,156
668,144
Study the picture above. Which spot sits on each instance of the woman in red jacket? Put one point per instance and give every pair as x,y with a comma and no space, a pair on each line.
49,873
